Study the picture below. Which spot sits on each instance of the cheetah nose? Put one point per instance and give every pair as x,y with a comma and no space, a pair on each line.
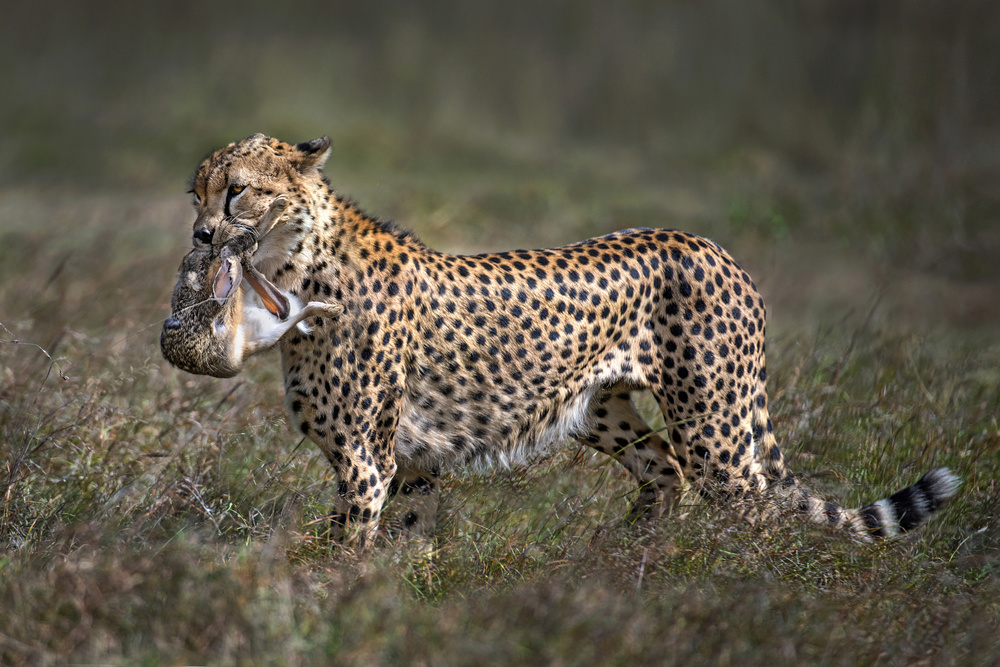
171,323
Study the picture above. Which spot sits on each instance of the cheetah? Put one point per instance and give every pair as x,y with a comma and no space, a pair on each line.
441,360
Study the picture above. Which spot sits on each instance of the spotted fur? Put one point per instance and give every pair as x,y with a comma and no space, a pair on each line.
442,360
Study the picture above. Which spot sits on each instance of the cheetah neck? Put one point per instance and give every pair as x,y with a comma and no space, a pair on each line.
333,252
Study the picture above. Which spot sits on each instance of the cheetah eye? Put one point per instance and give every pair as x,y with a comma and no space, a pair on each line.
232,195
197,199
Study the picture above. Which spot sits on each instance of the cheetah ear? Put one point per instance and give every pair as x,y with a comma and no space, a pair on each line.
312,155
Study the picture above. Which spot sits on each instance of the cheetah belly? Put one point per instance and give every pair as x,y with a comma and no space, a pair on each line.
454,422
447,433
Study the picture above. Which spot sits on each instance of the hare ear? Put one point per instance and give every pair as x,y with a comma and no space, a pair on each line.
273,298
228,278
311,155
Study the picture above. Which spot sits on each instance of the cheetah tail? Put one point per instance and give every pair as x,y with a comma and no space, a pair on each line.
899,513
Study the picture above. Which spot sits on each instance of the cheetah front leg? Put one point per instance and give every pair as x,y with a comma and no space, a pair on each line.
353,421
619,431
362,489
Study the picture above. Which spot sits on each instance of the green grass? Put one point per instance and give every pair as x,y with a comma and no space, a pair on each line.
151,515
845,157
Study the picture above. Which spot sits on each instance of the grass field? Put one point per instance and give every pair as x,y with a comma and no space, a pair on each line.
151,516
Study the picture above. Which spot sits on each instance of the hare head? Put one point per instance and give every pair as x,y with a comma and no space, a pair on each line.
215,322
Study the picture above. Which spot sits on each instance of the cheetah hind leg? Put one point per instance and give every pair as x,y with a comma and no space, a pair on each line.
618,430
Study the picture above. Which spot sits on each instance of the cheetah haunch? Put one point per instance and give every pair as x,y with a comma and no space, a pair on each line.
441,360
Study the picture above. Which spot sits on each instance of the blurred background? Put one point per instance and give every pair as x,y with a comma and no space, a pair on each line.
826,133
102,93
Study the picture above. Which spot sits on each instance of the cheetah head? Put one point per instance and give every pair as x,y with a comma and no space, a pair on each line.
239,183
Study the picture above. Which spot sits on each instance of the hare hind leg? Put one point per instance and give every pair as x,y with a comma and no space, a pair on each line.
264,330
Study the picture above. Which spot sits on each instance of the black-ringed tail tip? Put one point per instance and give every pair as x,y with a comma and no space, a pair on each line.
905,510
